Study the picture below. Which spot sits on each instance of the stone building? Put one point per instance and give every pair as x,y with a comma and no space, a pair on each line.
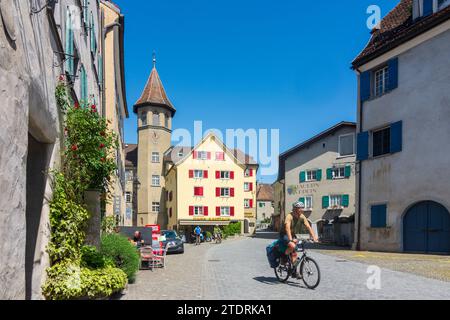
115,102
403,131
155,113
320,172
264,202
210,184
279,212
39,43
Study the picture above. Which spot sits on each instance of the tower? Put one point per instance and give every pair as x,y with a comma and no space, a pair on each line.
154,112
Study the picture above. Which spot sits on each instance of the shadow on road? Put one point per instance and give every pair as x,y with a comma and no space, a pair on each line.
274,281
266,235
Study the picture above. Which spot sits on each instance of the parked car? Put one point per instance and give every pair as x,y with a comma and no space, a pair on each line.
173,241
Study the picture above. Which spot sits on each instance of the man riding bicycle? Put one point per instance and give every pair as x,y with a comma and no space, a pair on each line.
288,240
217,232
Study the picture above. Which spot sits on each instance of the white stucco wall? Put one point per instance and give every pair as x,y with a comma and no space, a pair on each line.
421,171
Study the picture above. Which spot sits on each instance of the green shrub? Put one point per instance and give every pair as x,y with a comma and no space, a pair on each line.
69,281
208,235
232,229
122,252
91,258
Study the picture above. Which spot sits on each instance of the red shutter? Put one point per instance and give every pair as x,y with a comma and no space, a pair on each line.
232,192
194,154
191,210
191,174
200,191
232,211
232,175
205,174
195,191
251,172
251,203
217,192
251,186
205,211
217,174
208,155
218,211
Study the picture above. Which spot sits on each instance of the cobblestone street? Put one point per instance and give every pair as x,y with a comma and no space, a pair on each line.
237,269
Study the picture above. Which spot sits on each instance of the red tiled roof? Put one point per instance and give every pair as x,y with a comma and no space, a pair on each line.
154,93
396,28
264,192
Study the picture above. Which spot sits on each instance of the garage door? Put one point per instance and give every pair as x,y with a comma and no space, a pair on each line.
426,228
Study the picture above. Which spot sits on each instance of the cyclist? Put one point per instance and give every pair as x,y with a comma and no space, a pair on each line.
288,240
217,233
198,233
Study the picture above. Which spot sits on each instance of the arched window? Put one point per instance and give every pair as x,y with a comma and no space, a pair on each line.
156,121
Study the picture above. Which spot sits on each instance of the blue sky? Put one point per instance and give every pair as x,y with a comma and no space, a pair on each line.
249,64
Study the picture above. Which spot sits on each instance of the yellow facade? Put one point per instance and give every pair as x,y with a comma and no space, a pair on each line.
181,184
115,105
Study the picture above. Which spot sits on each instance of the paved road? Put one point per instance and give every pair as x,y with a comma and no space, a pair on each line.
238,270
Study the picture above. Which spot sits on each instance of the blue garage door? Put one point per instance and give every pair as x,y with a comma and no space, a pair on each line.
426,228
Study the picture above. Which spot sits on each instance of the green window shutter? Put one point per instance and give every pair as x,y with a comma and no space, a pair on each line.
303,176
345,200
69,45
302,200
92,33
325,202
319,175
83,85
329,174
348,171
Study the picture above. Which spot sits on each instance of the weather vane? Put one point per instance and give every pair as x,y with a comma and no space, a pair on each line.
154,59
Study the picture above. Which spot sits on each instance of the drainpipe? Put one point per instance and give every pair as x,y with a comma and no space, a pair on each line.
358,241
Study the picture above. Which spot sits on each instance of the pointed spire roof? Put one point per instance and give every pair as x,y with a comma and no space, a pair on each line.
154,93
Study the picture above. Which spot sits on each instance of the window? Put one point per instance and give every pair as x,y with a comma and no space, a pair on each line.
180,154
224,192
144,118
224,174
166,120
381,81
378,216
83,85
220,156
93,35
248,173
155,119
198,174
262,204
335,201
155,207
225,211
338,173
246,186
443,3
247,203
347,145
381,142
311,175
202,155
155,157
155,181
128,197
69,49
198,211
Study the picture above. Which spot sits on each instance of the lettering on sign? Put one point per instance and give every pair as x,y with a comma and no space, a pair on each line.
303,189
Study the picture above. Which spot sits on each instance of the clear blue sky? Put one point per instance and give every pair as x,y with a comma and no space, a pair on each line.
249,64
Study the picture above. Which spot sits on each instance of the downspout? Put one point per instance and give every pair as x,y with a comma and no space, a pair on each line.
358,241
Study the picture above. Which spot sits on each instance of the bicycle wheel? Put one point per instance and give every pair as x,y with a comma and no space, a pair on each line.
309,269
282,272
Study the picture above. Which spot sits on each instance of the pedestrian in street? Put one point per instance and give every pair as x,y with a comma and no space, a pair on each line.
198,232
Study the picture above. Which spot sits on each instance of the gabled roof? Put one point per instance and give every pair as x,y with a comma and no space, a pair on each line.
309,142
131,155
172,155
154,94
397,28
264,192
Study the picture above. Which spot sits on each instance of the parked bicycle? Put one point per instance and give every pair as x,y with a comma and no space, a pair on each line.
218,238
305,268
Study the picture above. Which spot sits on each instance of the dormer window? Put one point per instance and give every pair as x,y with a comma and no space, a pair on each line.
424,8
443,3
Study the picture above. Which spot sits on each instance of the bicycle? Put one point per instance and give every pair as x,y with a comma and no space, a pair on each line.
306,268
218,238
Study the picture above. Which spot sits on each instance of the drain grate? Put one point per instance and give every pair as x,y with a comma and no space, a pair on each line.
341,261
213,260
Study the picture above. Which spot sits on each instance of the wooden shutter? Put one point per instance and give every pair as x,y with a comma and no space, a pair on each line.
218,211
427,7
194,154
191,174
217,174
191,210
302,176
217,192
393,73
205,211
302,200
231,192
251,203
325,202
362,150
251,186
396,137
319,174
378,216
329,174
348,171
365,85
345,200
232,175
208,155
205,174
251,172
232,211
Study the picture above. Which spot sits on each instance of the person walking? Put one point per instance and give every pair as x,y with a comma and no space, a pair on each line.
198,232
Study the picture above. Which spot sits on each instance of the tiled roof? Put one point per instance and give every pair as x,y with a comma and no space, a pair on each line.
131,155
396,28
154,93
264,192
172,155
